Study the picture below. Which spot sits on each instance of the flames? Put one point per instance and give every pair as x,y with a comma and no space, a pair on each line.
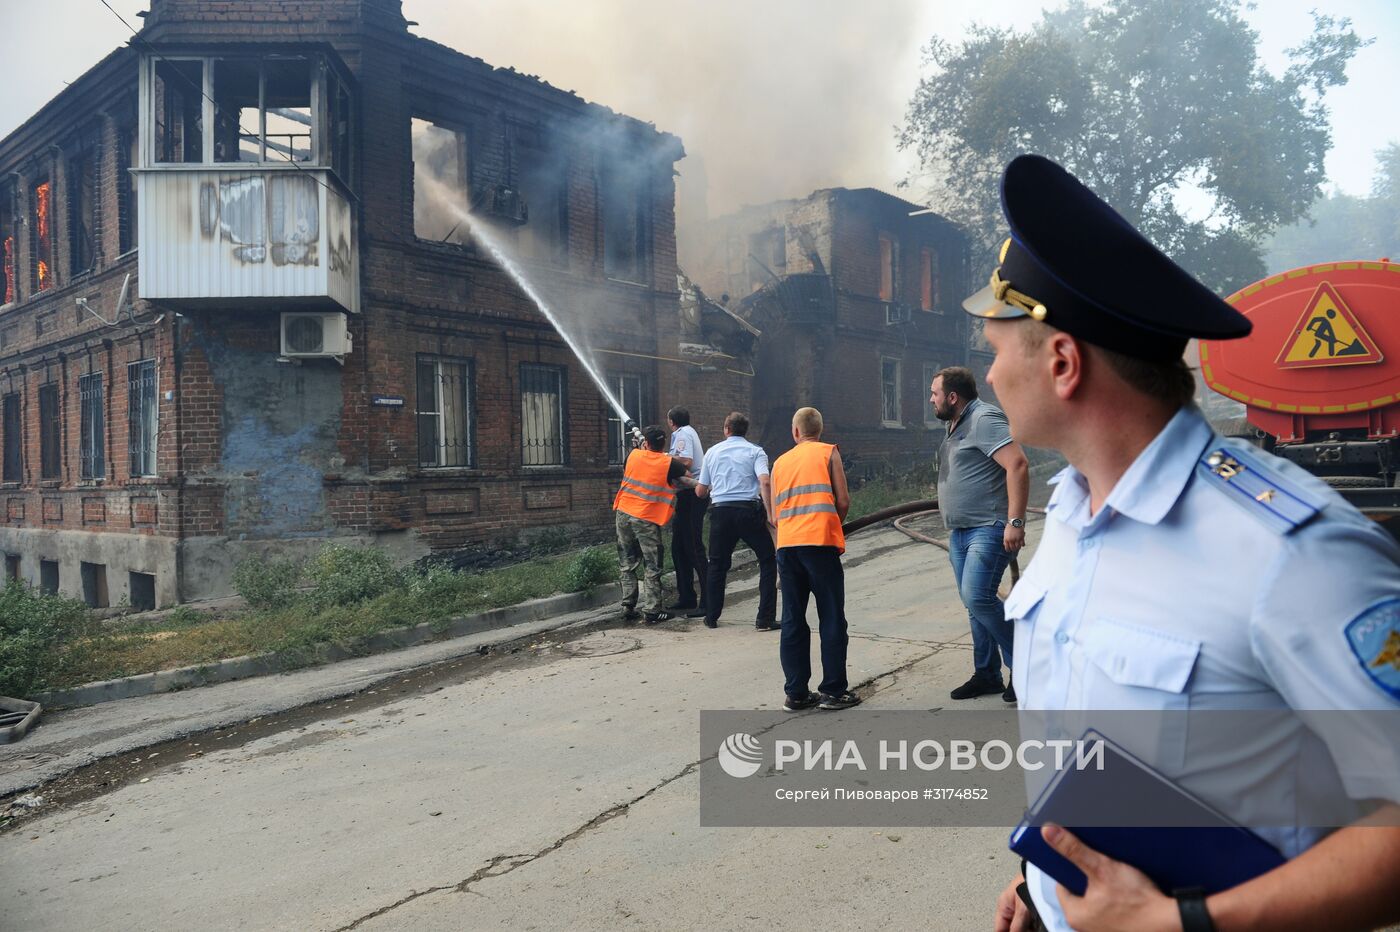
41,217
7,262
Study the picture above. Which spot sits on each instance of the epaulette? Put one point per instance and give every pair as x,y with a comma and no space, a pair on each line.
1260,488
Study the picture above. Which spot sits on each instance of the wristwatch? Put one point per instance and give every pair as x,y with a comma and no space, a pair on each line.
1018,522
1191,904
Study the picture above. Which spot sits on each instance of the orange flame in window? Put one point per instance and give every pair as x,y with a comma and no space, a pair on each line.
7,262
41,216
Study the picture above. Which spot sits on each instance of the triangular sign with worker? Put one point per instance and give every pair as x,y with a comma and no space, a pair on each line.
1328,334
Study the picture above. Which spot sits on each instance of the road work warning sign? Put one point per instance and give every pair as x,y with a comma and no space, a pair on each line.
1328,334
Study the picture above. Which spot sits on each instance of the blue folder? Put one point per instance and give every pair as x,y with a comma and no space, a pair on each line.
1193,845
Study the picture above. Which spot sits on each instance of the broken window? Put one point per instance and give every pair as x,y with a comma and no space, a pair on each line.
82,213
94,577
9,254
262,110
626,227
41,239
889,265
128,156
441,183
767,257
544,184
48,576
628,390
13,428
50,432
542,415
142,409
889,392
177,103
92,459
928,279
445,416
338,99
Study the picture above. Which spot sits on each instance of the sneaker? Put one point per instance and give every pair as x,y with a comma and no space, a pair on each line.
799,703
842,701
1009,695
977,686
698,612
655,618
767,626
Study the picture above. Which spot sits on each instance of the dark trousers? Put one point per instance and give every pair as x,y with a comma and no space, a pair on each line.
729,524
688,549
815,572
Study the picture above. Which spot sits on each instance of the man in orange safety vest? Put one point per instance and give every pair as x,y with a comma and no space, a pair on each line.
645,503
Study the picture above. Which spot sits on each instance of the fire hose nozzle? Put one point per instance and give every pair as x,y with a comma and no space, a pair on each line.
631,427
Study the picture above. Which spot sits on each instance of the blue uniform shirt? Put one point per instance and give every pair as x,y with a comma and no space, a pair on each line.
732,470
1188,590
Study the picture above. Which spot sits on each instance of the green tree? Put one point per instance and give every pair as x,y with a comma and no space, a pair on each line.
1342,226
1160,106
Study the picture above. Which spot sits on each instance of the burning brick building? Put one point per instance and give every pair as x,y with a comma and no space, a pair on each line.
241,314
858,305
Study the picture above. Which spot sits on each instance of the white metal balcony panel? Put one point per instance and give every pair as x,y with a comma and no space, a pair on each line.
212,234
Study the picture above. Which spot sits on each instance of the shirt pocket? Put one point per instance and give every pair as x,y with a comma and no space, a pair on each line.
1144,672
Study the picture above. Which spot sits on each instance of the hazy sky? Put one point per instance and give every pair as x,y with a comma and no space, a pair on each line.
777,98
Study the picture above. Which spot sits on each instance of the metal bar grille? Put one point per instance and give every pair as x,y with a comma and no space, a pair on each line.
628,389
91,447
542,415
446,414
142,412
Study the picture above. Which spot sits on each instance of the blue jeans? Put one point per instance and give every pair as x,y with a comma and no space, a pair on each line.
979,559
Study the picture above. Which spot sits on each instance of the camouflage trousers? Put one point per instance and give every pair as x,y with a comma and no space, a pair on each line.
639,547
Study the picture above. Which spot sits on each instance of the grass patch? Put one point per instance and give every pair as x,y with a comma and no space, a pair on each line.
892,490
354,592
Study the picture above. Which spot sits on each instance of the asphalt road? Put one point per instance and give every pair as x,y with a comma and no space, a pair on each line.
549,787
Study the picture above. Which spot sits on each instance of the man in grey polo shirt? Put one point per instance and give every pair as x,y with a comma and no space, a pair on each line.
983,481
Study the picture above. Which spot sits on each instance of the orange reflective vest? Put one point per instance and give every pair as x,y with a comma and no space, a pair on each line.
645,493
804,498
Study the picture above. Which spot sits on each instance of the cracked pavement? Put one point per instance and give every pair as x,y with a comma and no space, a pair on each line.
556,792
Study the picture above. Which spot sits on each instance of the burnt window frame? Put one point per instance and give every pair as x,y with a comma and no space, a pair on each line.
37,282
82,176
536,158
639,190
92,427
438,413
888,267
466,157
128,158
929,280
768,247
9,231
142,398
561,421
12,429
50,401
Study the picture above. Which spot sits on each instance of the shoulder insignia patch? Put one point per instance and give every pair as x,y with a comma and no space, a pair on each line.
1374,636
1250,482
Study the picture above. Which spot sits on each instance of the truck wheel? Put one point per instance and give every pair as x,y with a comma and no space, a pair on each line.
1354,482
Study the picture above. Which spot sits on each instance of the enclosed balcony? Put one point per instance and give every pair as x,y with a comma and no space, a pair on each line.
243,186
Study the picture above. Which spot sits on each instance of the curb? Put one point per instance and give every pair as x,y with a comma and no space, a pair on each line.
237,668
16,731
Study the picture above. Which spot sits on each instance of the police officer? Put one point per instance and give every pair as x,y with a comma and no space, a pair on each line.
1179,570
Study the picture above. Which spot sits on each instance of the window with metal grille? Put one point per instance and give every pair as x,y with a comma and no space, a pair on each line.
446,418
142,413
889,392
82,213
13,439
92,457
50,432
628,390
541,415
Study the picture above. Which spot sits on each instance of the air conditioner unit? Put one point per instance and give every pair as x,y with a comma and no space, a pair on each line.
315,336
897,313
508,204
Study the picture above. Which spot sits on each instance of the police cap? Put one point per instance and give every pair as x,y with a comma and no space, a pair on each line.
1074,263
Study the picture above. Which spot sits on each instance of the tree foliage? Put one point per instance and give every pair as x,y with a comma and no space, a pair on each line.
1162,107
1342,226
